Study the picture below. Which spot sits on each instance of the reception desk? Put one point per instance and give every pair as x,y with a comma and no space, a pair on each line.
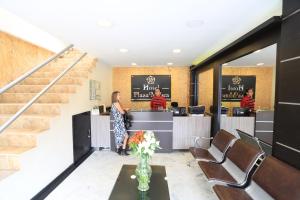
172,132
160,122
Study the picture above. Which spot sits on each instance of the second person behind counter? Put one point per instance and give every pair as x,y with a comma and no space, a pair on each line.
248,100
158,102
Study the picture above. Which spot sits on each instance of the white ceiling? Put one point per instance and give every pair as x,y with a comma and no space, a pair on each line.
149,29
266,56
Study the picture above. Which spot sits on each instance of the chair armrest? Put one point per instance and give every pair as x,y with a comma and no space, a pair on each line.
207,138
197,138
225,183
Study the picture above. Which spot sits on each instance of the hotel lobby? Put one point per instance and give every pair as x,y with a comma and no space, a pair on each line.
149,100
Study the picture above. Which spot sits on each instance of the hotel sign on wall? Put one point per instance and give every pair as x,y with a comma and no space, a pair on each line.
234,87
143,86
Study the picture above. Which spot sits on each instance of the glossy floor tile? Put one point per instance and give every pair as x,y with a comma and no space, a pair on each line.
95,178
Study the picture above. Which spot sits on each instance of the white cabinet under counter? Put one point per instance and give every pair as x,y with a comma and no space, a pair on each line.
231,123
100,126
185,129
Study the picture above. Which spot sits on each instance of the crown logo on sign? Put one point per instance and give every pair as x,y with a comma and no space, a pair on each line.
236,80
150,79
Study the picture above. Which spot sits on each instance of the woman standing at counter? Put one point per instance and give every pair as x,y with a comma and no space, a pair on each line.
120,132
248,101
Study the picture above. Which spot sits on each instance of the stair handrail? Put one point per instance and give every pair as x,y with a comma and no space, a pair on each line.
26,106
34,69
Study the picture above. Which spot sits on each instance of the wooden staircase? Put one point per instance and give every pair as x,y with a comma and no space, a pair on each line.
21,135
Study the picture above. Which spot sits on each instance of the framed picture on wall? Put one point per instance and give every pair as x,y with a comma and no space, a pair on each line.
95,90
234,87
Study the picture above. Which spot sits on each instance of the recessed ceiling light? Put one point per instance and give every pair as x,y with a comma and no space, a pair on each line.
260,64
257,51
225,64
169,63
176,50
104,23
133,64
123,50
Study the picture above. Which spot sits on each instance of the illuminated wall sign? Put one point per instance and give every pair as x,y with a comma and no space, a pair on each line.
234,87
143,86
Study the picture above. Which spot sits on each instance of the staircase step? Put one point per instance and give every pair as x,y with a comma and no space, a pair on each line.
26,97
71,74
36,108
60,68
18,140
28,122
46,81
23,131
9,157
20,137
38,88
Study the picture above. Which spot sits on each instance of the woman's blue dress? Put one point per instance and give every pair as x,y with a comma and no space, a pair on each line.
118,125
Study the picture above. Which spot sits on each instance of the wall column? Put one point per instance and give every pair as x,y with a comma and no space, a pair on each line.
286,142
193,88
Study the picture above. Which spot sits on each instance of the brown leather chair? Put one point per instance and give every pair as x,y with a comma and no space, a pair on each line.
273,179
235,170
216,153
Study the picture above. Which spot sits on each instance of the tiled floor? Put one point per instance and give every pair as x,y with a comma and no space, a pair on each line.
95,178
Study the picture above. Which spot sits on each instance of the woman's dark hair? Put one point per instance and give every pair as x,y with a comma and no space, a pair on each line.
114,96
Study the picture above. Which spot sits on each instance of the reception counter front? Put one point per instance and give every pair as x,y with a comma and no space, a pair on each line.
160,122
172,132
260,125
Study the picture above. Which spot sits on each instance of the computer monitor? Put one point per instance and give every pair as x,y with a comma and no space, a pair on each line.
174,104
102,109
224,110
179,111
237,111
196,110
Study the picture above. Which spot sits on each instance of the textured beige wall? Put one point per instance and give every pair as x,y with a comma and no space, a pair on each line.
180,81
264,97
263,88
17,57
205,88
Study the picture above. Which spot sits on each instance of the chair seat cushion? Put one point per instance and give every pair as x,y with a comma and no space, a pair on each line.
201,154
216,171
230,193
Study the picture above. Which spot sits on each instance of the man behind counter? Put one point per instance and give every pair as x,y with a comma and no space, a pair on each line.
248,101
158,102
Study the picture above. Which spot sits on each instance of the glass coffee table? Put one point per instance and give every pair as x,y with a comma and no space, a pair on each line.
125,187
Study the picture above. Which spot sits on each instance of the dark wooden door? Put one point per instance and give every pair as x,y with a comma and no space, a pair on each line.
81,135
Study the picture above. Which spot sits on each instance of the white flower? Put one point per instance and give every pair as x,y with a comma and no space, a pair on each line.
148,145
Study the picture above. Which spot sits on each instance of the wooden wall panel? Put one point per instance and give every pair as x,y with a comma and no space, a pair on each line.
264,86
18,56
180,80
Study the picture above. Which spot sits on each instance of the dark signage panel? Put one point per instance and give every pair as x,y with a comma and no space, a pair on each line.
143,86
234,87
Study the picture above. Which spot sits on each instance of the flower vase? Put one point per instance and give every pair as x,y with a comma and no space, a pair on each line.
143,172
